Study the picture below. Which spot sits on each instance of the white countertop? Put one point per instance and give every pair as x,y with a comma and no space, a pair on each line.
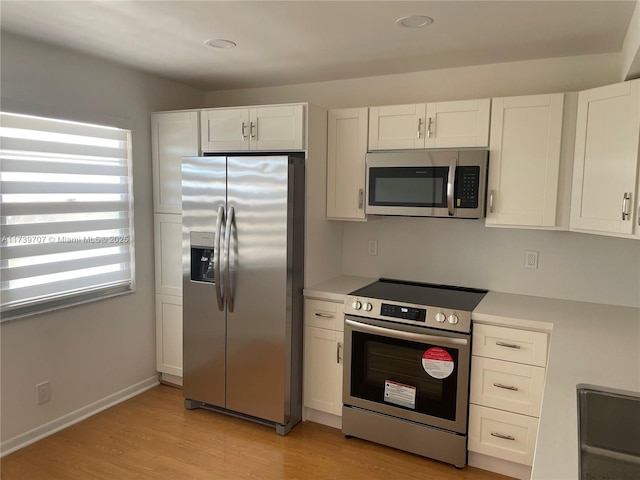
337,288
590,343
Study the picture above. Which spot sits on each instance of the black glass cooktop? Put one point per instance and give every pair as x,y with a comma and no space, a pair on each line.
427,294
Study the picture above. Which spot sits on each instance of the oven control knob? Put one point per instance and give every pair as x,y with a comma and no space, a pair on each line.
440,317
453,319
356,305
368,307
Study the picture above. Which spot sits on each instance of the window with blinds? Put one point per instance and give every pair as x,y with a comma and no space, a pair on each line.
66,216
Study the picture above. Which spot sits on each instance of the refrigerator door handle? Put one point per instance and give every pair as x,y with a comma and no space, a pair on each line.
227,270
218,277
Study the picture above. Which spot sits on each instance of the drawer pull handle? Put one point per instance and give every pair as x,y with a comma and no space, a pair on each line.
506,387
508,345
323,315
500,435
339,353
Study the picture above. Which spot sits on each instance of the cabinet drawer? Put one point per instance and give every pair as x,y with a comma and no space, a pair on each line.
508,386
504,435
324,314
510,344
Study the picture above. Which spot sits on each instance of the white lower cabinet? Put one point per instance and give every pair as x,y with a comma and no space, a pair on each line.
502,434
169,335
506,385
508,368
323,350
323,370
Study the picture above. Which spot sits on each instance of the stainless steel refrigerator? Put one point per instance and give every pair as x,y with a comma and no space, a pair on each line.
243,256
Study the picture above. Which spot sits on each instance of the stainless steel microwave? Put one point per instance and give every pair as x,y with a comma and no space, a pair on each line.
427,183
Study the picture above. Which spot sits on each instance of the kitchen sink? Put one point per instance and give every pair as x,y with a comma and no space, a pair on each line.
608,433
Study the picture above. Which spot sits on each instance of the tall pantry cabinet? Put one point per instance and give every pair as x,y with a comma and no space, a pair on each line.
173,136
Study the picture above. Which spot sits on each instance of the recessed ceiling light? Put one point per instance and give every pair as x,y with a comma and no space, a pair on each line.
220,43
414,21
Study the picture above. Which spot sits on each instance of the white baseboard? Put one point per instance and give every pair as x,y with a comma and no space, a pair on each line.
311,415
172,380
497,465
49,428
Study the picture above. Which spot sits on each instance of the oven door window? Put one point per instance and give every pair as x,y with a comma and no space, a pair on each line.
410,375
408,186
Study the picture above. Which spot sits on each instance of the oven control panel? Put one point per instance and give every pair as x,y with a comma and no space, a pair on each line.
406,313
420,315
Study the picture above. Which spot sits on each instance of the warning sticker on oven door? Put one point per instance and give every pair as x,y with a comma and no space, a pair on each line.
399,394
437,362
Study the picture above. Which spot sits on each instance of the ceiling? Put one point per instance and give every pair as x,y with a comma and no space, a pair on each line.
280,43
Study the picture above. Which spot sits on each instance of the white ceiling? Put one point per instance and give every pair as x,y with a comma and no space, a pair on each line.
291,42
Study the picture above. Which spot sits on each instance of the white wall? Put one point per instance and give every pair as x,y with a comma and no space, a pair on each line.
460,252
92,351
516,78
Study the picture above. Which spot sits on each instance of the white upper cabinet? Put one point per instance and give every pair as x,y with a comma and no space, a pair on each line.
605,184
525,147
346,151
264,128
173,135
432,125
396,126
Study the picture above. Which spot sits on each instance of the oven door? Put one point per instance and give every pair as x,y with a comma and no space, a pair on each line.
410,372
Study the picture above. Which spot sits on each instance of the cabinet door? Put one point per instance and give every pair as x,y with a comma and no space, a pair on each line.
323,370
606,159
346,151
279,127
173,135
502,434
168,253
510,386
169,334
324,314
457,124
510,344
397,127
524,160
225,129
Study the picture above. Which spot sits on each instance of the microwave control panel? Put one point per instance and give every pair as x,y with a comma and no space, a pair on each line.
467,185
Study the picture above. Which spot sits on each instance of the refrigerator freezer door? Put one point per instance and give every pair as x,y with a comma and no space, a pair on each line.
203,193
259,327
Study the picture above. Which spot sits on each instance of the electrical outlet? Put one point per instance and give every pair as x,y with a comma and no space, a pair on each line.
44,392
372,247
531,259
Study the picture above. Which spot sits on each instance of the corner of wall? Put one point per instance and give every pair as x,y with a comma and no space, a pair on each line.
631,47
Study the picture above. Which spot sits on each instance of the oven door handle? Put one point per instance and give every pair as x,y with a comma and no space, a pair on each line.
417,337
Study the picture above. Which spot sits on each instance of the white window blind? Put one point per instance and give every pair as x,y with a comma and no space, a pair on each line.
66,214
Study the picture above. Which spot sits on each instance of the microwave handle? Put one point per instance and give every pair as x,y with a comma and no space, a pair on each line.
451,182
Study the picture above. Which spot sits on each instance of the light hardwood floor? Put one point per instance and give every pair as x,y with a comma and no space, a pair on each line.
152,436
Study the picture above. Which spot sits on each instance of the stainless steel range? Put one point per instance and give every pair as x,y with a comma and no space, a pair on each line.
406,367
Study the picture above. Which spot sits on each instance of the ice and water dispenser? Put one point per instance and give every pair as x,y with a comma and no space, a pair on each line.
202,257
